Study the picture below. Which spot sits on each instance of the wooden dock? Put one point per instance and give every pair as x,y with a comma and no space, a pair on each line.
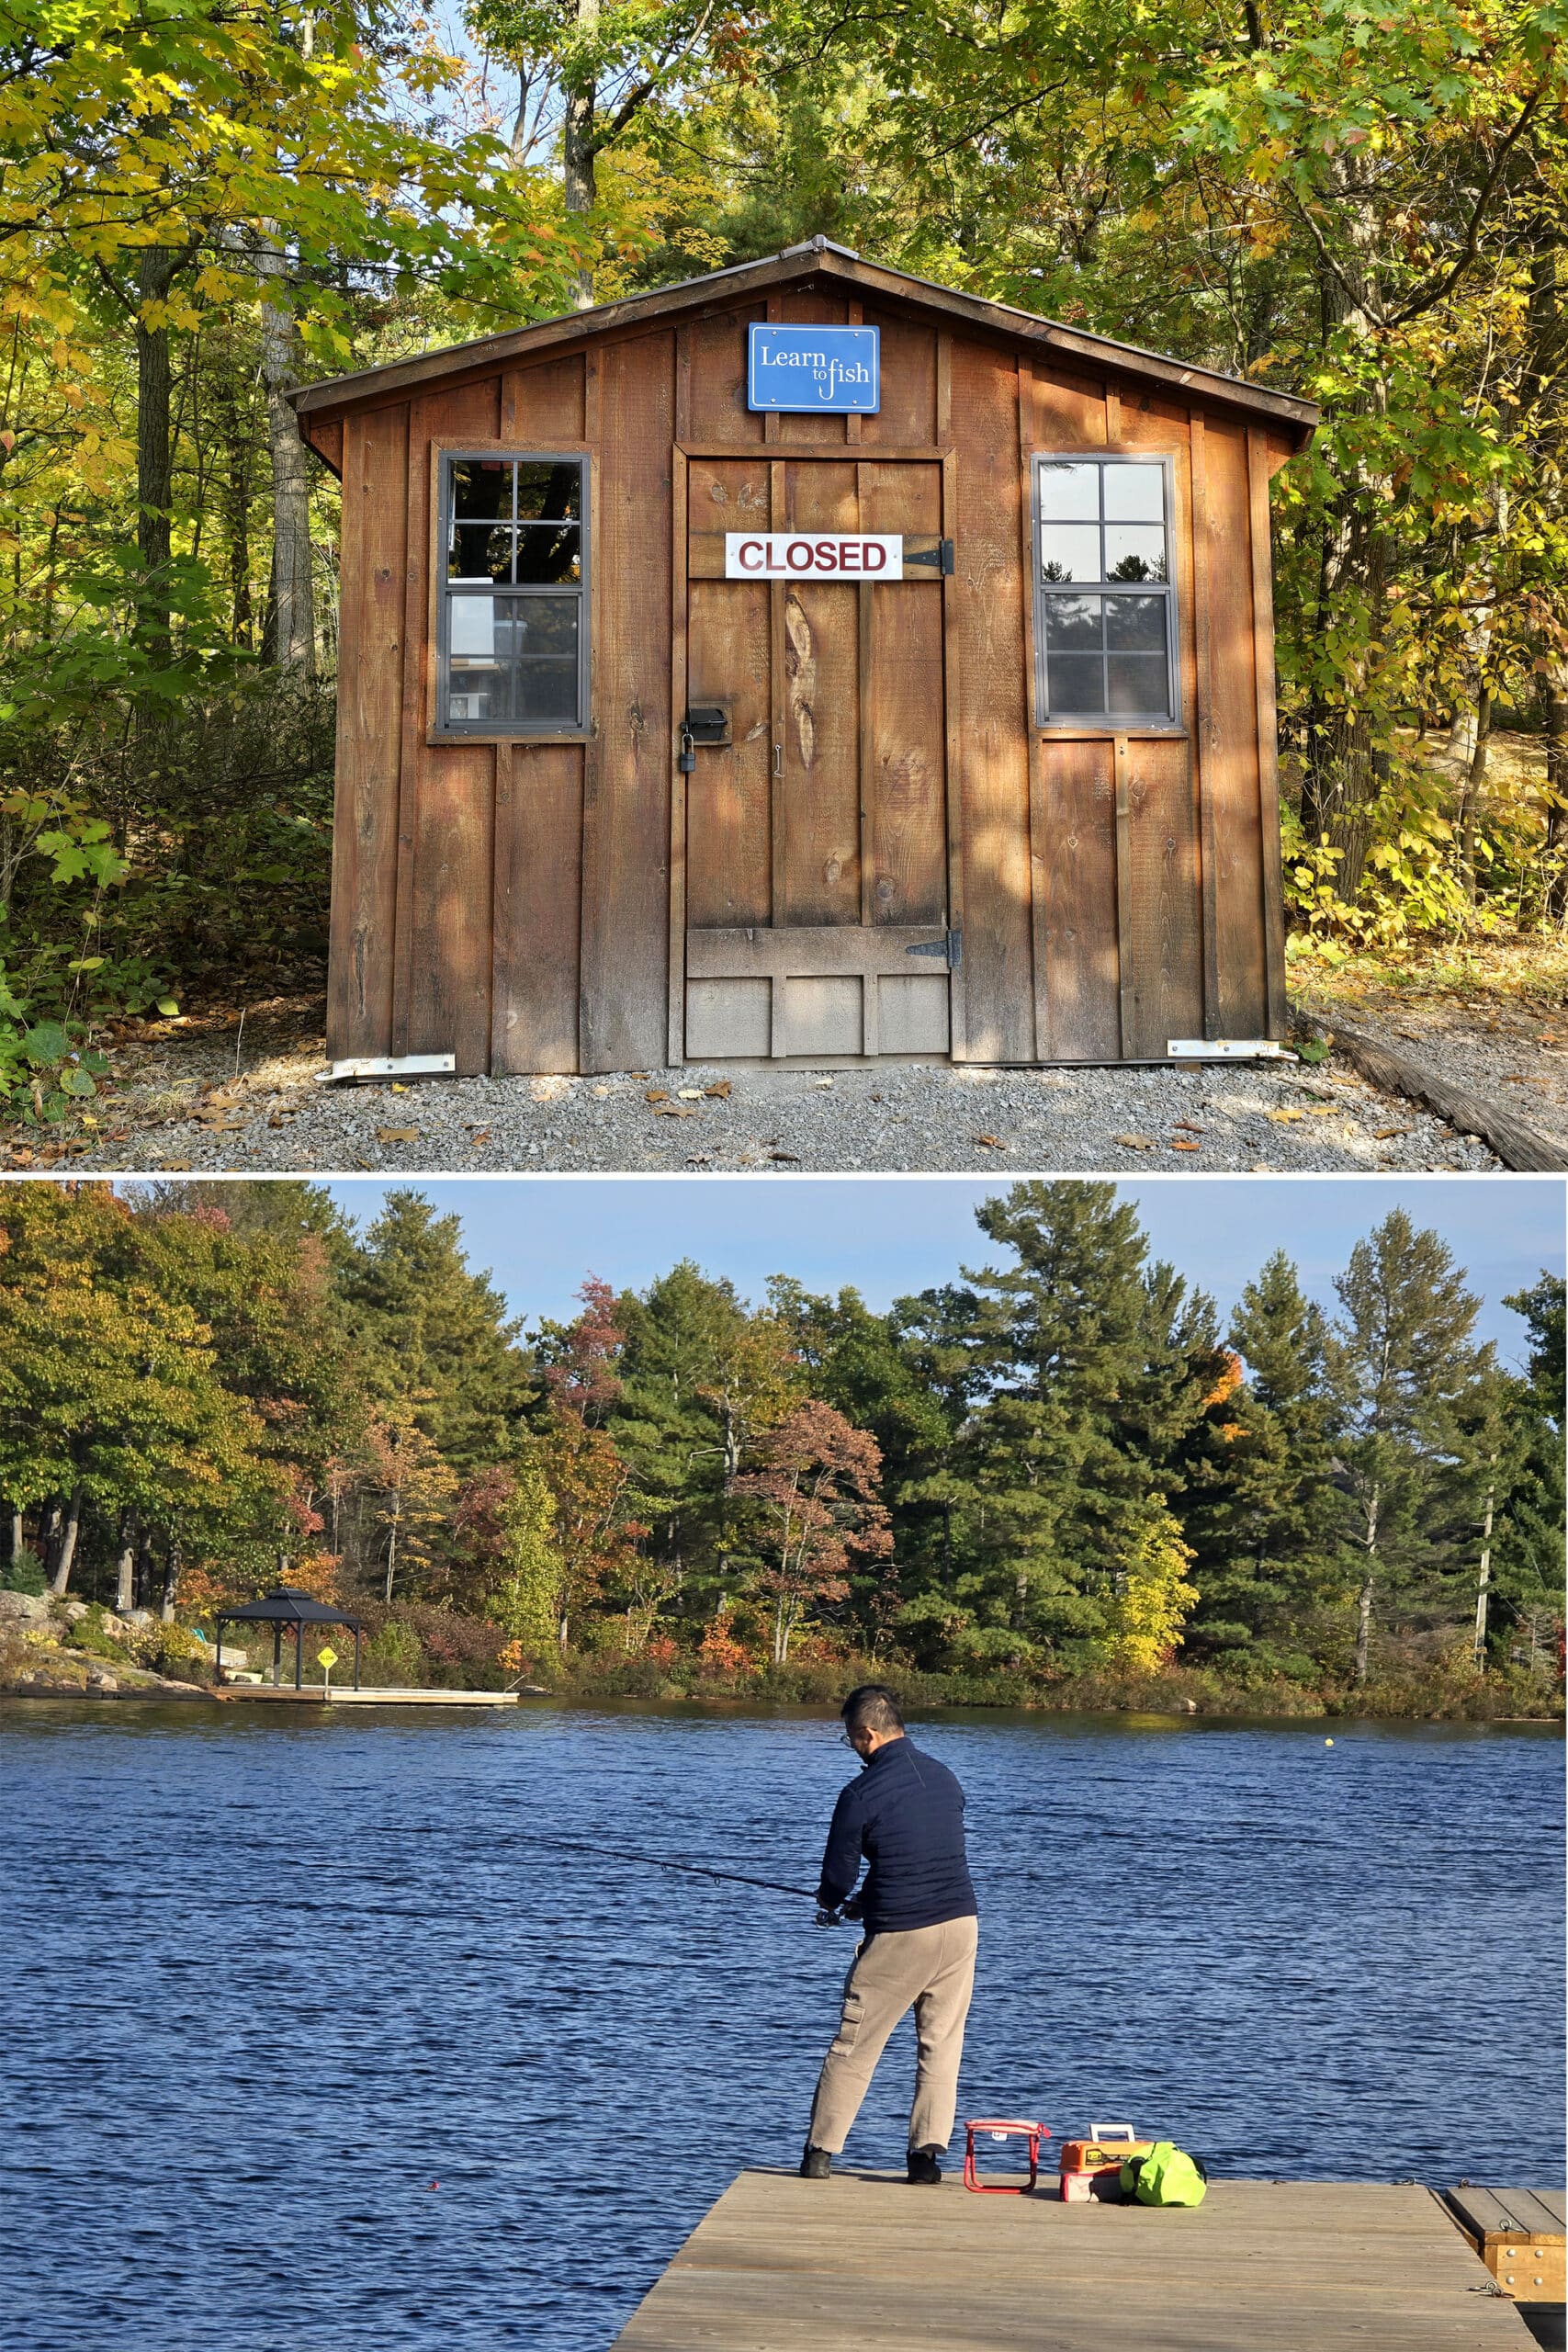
784,2264
311,1693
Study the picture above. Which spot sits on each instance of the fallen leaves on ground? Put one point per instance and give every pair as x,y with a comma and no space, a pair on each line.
1134,1143
718,1091
397,1135
668,1110
657,1094
794,1155
690,1093
1284,1117
1386,1135
1184,1143
992,1143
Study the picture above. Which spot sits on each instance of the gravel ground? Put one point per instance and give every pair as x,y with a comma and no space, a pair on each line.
189,1101
1514,1054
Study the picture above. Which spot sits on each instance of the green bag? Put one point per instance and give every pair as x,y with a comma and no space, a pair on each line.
1166,2176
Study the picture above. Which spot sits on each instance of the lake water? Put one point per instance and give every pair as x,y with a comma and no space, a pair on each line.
272,1978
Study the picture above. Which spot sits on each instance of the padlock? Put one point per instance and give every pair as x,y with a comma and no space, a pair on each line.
688,759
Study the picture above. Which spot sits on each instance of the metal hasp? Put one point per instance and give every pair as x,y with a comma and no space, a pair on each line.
706,722
285,1606
950,947
940,558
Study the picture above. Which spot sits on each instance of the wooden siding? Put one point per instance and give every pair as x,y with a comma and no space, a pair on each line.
525,905
369,731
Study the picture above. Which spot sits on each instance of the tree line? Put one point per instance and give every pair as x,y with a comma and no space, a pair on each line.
1057,1463
197,208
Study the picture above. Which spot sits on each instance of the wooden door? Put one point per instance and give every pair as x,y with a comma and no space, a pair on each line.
817,895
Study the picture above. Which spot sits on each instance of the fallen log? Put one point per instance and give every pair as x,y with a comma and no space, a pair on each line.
1515,1141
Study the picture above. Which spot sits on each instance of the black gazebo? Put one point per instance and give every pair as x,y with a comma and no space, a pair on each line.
287,1606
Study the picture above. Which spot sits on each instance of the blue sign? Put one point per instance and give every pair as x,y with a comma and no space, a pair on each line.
826,371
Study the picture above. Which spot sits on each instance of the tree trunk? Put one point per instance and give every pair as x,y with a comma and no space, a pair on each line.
292,621
65,1556
1364,1601
17,1538
391,1557
154,441
1483,1580
172,1565
125,1569
580,150
1557,793
1469,792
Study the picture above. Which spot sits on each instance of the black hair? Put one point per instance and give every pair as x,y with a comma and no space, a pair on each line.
872,1708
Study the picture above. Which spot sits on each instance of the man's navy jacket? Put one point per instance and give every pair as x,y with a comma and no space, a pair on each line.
905,1814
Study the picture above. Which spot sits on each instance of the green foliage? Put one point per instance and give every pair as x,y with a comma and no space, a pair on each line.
171,1649
1089,1495
24,1573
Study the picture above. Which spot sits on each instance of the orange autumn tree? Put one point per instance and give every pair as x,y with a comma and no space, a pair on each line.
593,1535
818,1489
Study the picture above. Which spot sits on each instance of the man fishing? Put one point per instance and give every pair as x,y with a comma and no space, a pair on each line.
905,1816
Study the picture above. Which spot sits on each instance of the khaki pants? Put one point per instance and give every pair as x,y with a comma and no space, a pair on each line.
930,1970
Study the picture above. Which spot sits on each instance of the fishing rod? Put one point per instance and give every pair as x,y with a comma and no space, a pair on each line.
662,1862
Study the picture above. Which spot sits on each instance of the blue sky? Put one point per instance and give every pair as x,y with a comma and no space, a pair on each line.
538,1237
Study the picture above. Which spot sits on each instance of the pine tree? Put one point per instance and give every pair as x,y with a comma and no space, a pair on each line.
1402,1367
1086,1369
1261,1511
429,1329
1530,1533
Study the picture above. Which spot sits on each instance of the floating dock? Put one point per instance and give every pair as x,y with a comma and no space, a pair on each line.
311,1693
785,2265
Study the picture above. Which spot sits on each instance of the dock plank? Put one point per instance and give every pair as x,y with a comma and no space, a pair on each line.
1260,2266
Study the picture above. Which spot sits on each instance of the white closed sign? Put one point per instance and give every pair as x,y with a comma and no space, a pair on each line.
813,555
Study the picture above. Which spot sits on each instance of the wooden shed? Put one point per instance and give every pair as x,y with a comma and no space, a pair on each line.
902,687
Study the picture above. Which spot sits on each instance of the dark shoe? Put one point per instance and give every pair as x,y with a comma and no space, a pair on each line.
924,2170
816,2164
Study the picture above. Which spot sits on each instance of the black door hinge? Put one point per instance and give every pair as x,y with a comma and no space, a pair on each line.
950,947
939,557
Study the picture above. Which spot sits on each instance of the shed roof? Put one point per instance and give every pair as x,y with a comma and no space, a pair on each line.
819,259
287,1606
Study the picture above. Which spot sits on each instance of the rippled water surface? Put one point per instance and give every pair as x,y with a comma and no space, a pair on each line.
312,2051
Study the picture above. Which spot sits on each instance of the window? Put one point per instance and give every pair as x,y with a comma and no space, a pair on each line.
1104,605
513,634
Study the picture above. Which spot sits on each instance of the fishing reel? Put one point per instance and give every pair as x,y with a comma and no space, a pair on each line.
830,1916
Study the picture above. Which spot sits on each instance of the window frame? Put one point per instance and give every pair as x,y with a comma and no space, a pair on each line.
1107,722
443,729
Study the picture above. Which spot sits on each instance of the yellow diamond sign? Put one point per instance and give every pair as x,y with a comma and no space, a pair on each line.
327,1658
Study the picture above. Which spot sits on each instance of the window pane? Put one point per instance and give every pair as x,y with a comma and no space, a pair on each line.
534,627
482,487
1134,493
1073,623
1133,551
1138,683
480,552
471,629
548,690
549,551
1075,682
1069,493
1135,624
551,494
1070,550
